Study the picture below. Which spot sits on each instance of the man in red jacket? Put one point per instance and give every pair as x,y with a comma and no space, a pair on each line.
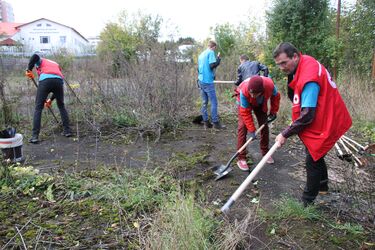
253,96
50,80
319,115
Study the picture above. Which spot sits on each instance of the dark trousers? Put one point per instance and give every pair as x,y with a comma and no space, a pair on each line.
54,85
317,178
242,133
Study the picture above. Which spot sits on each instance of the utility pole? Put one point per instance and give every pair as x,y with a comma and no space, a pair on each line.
337,35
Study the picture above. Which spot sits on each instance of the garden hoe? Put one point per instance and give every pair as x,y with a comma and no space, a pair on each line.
49,108
248,180
223,170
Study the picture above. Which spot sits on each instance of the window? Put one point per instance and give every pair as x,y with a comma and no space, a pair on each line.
48,25
39,25
62,39
44,39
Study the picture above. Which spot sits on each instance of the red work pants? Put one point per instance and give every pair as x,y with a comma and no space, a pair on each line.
242,133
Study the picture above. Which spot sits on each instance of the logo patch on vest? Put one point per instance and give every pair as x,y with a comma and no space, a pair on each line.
332,83
295,99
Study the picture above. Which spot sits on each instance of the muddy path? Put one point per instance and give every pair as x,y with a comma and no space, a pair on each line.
57,153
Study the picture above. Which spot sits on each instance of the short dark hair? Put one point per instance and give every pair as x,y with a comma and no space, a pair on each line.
211,44
244,57
287,48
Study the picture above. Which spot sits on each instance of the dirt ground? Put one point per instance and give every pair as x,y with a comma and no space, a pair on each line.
285,176
58,152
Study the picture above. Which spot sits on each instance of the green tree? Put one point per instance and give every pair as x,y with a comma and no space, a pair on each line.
306,24
128,38
358,36
225,36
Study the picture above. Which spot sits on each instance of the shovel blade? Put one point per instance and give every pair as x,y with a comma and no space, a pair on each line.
223,174
218,169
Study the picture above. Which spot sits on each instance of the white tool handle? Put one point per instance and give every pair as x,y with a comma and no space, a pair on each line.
224,81
339,149
356,143
351,145
248,180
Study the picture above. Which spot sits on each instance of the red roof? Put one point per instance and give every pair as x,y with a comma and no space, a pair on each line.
8,42
9,29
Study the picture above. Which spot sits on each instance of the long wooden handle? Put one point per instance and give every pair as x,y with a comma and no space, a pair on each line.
224,81
248,180
250,139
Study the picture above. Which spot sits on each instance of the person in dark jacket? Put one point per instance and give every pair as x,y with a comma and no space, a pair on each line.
50,80
249,68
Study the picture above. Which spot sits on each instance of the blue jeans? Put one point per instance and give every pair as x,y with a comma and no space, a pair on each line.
208,93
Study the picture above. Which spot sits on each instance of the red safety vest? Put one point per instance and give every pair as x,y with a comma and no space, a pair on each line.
49,67
268,86
332,118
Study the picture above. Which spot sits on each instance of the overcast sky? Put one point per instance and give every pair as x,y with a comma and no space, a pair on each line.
191,17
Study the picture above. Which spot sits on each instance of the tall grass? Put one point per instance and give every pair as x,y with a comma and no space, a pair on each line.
359,96
182,224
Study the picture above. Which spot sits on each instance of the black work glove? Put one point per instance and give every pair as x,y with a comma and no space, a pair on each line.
271,118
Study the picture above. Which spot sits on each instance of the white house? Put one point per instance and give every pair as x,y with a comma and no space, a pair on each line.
42,35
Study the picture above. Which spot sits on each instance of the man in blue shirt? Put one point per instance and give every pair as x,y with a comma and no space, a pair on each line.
207,63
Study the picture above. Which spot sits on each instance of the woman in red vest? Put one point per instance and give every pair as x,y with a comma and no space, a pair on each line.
50,80
319,115
253,96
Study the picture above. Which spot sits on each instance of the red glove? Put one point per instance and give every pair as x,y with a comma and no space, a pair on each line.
29,74
47,104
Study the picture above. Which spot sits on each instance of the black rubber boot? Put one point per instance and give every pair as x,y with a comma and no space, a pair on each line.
219,126
207,124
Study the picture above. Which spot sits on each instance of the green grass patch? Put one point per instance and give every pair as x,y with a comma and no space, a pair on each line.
102,208
185,161
289,208
183,224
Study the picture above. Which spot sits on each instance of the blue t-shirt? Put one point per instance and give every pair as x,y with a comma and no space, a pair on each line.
309,96
205,73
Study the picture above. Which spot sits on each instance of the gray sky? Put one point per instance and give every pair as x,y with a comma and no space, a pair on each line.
192,17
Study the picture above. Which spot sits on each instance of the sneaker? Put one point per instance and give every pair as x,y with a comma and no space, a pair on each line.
243,165
67,133
34,139
218,126
207,124
270,160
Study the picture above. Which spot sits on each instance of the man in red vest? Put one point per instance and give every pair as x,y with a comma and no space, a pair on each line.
319,115
252,96
50,80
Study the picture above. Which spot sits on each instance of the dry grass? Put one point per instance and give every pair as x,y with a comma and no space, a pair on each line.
359,96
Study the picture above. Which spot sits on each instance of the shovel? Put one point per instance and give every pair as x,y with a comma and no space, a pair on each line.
247,181
223,170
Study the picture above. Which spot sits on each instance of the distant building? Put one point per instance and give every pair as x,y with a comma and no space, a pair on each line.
6,12
41,35
94,41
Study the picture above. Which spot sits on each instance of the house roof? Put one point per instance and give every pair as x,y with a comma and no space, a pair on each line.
19,26
9,42
9,29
